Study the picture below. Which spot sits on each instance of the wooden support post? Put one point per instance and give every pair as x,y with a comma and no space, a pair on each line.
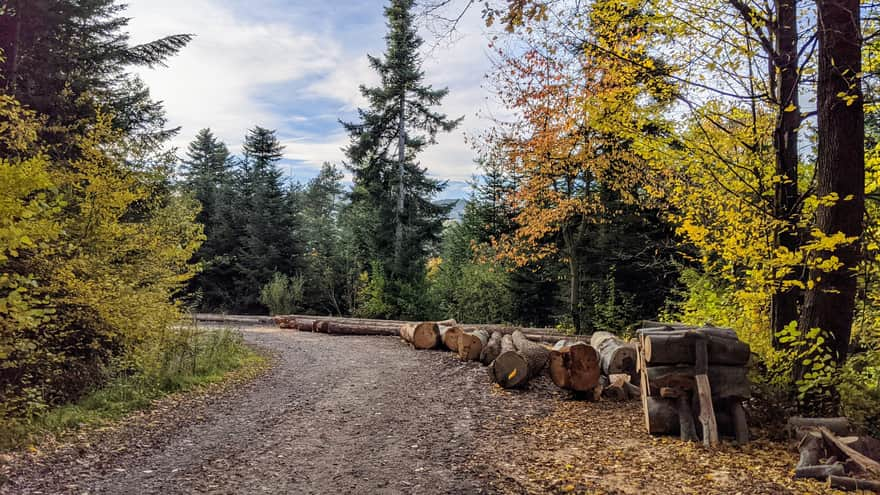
740,422
704,392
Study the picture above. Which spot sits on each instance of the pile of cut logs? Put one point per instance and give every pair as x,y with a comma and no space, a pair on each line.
690,373
601,366
829,453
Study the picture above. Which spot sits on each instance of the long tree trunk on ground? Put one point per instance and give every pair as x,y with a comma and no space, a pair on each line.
840,170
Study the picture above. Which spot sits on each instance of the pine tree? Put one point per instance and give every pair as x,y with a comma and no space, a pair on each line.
325,266
208,175
206,170
62,57
270,240
384,145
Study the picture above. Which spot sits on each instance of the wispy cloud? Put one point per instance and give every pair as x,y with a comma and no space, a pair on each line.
296,66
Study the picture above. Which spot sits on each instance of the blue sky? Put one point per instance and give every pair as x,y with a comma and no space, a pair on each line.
295,66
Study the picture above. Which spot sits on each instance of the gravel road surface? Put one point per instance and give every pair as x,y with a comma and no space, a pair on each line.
335,414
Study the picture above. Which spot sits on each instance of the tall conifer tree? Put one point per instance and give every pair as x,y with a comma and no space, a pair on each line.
271,241
396,126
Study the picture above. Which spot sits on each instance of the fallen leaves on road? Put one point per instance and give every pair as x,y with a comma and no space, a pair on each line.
602,448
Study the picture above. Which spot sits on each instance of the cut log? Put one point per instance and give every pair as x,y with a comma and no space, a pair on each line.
725,333
865,463
615,356
839,425
283,322
449,335
574,367
820,472
536,355
678,348
492,349
811,448
661,416
233,319
614,386
422,336
470,344
321,326
305,325
869,446
632,390
726,381
510,368
740,422
660,325
853,484
332,327
612,390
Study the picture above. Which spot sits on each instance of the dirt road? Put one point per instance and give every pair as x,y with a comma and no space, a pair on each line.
334,415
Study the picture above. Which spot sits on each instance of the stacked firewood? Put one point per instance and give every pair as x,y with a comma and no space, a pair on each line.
829,452
693,380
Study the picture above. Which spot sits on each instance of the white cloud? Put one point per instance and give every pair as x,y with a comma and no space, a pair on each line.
240,71
214,81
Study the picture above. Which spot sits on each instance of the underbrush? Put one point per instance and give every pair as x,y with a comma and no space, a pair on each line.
181,360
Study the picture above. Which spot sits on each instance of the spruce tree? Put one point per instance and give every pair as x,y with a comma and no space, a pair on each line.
396,126
63,58
207,174
325,266
270,240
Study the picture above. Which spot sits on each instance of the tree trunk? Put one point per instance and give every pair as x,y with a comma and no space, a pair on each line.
661,416
492,349
853,484
401,172
336,328
470,344
449,335
13,56
575,282
304,325
536,355
728,382
840,170
510,368
784,302
838,425
678,348
615,356
421,335
574,366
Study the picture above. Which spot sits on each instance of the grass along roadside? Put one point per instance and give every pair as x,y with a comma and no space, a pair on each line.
185,359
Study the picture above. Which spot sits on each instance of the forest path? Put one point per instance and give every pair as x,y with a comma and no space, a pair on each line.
333,415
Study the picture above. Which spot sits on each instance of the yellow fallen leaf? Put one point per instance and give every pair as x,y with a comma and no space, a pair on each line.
568,488
512,374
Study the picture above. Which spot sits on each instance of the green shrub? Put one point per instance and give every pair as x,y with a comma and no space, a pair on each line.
283,294
182,359
860,391
373,299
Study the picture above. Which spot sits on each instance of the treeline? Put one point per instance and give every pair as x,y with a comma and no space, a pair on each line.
381,248
744,128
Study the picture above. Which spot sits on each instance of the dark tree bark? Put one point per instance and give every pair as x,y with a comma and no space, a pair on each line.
840,169
784,303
